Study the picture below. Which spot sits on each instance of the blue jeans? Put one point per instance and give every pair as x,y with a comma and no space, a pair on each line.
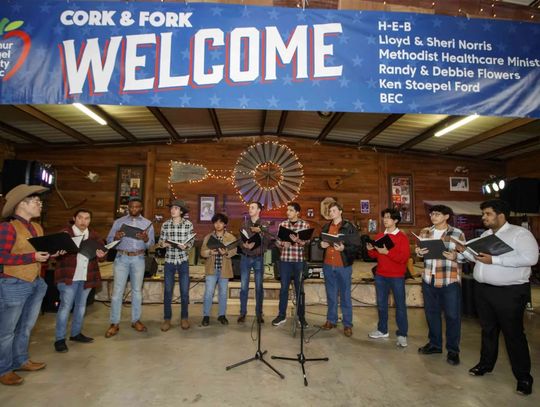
210,286
338,280
70,295
383,285
290,270
124,267
246,264
448,300
183,281
20,303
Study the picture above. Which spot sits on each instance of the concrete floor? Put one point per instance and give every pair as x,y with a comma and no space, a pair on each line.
188,367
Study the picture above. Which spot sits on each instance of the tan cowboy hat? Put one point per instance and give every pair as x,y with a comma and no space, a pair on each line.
325,207
17,194
181,204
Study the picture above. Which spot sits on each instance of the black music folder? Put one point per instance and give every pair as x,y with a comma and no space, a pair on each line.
254,238
189,239
381,242
214,244
304,234
132,231
436,247
489,244
353,239
53,243
88,247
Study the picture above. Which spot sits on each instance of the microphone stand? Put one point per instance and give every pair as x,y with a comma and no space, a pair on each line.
300,357
259,354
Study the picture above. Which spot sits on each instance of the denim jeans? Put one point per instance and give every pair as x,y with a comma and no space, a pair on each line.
20,303
338,280
70,295
383,285
210,286
290,270
124,267
448,300
183,281
246,264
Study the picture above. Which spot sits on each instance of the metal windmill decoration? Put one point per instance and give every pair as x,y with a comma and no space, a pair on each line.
270,173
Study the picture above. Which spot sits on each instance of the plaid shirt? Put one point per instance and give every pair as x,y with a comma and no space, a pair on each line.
446,271
218,258
178,233
7,240
295,252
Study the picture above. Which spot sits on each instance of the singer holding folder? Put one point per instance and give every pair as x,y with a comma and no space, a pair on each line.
441,286
502,291
129,262
75,275
21,287
390,275
291,262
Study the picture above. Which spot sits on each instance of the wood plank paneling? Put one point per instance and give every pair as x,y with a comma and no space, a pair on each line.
364,175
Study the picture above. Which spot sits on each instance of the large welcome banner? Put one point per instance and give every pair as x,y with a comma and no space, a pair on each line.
227,56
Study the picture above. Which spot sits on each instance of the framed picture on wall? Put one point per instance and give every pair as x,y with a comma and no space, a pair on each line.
207,207
129,185
401,197
459,184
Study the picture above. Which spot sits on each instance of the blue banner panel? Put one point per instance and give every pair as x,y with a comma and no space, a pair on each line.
228,56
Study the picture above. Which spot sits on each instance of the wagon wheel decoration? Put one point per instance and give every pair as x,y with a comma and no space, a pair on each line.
269,173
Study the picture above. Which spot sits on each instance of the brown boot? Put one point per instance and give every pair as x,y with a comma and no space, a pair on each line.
30,366
184,324
166,325
328,325
11,379
139,326
113,330
347,331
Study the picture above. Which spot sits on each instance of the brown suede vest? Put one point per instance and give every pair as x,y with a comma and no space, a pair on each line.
26,272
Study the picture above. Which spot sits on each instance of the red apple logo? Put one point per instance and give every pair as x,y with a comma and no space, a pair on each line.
10,31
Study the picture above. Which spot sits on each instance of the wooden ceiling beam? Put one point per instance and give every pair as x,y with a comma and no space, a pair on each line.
113,123
511,148
263,121
215,123
329,126
497,131
50,121
23,135
379,129
429,132
282,121
160,117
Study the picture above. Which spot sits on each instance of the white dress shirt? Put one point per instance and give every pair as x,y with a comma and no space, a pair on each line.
510,268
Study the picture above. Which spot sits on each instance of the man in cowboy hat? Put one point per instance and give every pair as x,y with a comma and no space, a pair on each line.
21,288
129,262
178,237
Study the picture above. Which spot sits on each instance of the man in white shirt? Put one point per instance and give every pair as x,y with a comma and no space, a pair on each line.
501,293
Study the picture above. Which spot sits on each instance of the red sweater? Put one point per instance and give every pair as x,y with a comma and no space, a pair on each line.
393,264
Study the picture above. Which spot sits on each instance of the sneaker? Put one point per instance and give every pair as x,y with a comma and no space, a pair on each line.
81,338
206,321
223,320
303,322
279,320
60,346
378,334
401,341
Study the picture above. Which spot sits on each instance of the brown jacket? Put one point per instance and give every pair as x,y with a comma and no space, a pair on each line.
226,271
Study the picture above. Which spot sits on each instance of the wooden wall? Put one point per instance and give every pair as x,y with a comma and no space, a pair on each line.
364,173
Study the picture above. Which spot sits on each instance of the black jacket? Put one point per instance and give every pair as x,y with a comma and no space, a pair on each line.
349,254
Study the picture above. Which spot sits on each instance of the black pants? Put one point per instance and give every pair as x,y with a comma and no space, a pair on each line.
501,308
